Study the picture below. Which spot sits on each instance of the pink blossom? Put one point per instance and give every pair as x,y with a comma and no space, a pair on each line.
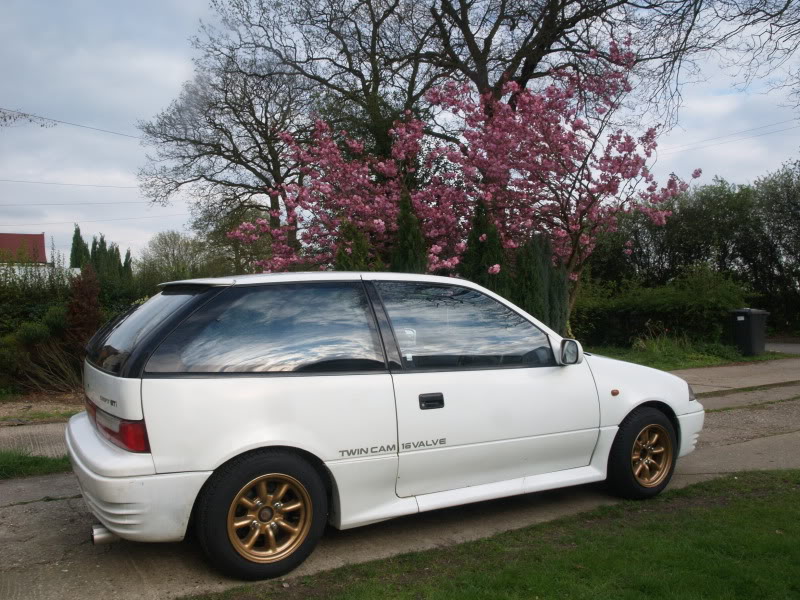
494,269
533,163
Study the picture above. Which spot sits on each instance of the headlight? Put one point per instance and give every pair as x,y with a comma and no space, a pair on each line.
692,397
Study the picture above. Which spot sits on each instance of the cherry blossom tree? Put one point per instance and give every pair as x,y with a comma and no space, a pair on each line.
547,161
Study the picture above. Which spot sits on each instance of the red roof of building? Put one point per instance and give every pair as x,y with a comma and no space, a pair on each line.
16,246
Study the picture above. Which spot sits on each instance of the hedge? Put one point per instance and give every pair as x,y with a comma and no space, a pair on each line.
696,304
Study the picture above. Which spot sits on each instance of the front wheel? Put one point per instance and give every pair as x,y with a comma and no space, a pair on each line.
642,458
261,515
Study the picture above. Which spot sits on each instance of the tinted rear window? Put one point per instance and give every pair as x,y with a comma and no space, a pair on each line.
113,345
303,327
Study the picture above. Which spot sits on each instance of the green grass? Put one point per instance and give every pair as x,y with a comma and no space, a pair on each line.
20,464
731,538
670,354
38,416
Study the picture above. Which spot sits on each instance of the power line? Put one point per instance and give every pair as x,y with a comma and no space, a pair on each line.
33,116
80,203
749,137
719,137
94,185
95,220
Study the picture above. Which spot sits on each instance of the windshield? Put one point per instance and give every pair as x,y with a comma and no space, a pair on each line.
112,346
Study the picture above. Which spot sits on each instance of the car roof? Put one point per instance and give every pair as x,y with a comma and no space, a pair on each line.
262,278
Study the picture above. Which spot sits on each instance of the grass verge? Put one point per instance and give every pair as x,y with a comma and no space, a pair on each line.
730,538
671,354
20,464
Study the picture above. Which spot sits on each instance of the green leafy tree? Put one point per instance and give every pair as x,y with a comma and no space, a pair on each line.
225,255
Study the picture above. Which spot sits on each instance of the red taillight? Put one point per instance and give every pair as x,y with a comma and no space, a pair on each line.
128,435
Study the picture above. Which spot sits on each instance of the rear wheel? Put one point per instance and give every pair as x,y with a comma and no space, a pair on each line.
642,458
261,515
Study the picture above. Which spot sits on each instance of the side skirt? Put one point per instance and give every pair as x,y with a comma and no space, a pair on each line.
595,471
375,477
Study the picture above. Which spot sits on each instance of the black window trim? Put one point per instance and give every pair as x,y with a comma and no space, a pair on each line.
391,348
393,336
374,326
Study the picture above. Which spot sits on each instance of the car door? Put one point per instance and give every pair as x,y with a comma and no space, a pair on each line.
480,398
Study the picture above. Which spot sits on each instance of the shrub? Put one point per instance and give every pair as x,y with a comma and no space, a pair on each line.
27,291
46,353
31,333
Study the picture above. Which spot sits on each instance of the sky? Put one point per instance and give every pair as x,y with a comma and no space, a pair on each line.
111,64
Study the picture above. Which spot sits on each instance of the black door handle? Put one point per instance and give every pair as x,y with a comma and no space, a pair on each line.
429,401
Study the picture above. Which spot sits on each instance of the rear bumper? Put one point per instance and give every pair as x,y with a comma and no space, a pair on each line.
145,508
691,425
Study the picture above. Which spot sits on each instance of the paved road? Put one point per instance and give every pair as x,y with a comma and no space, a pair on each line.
47,554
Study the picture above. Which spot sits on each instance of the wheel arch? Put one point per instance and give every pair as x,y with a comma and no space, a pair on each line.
665,408
316,462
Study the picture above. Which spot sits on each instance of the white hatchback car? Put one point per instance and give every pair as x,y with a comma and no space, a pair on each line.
259,408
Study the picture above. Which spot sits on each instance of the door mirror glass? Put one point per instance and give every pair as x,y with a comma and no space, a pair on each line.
571,352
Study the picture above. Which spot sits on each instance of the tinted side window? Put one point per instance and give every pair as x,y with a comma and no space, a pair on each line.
452,327
112,346
305,327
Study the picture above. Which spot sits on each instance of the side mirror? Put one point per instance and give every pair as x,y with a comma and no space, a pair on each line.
571,352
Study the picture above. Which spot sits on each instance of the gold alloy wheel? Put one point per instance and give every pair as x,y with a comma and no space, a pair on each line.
651,455
269,518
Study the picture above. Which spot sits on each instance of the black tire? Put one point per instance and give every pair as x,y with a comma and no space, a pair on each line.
225,546
624,462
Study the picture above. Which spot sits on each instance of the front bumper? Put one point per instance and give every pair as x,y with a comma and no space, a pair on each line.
143,507
691,425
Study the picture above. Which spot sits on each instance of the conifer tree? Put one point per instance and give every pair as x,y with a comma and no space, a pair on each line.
127,267
531,290
409,254
484,261
353,253
559,291
79,253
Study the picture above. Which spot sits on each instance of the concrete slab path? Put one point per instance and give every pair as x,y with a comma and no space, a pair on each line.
784,347
44,526
742,375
